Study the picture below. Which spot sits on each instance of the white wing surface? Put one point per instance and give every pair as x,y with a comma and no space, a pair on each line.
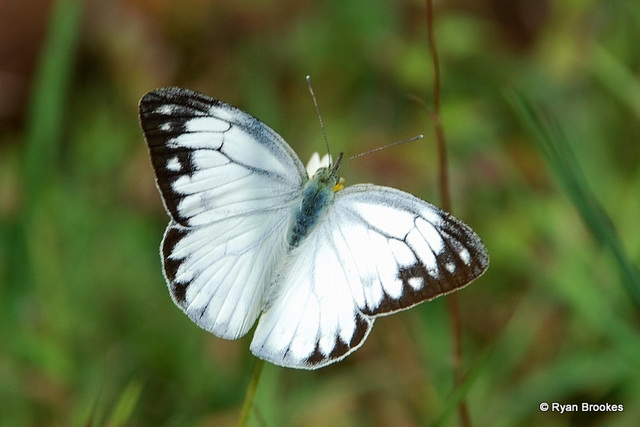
228,182
378,250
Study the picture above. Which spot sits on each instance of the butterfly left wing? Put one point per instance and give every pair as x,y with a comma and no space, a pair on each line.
379,250
228,182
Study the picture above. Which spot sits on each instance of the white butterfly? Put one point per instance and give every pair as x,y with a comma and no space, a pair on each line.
251,236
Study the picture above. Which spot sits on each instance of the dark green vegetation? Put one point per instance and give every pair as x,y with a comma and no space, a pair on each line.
542,117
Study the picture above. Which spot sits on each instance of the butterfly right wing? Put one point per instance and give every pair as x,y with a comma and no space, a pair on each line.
228,182
378,250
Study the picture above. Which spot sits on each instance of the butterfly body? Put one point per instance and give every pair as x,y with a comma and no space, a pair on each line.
317,194
253,237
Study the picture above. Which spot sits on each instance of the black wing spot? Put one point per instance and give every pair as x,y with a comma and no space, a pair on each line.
341,348
171,265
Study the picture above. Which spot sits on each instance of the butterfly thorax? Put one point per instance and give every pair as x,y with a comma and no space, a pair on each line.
317,194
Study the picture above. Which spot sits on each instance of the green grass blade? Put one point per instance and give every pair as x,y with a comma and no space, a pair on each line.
53,76
43,136
459,393
620,81
553,144
126,404
250,395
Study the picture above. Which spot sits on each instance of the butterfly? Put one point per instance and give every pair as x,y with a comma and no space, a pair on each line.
253,237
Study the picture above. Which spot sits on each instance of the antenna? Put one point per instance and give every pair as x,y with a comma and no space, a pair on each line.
385,146
315,103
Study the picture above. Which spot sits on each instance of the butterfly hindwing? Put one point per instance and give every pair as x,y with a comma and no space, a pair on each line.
228,182
311,319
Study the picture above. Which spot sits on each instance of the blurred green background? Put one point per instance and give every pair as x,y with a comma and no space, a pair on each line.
541,110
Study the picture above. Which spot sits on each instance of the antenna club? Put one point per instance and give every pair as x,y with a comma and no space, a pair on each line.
338,162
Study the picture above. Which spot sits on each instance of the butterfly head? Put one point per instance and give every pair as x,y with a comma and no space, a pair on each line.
323,170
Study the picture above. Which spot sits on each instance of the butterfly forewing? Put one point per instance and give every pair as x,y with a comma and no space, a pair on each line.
212,160
404,249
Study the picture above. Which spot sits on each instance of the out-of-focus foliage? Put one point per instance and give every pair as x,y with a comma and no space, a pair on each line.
88,332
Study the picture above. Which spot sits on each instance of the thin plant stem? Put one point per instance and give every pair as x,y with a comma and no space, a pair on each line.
250,395
452,300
